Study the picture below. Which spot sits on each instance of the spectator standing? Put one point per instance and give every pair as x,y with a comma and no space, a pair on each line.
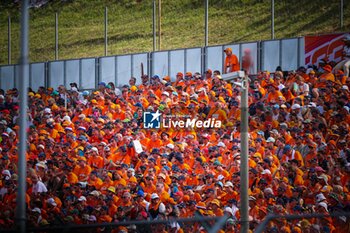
231,62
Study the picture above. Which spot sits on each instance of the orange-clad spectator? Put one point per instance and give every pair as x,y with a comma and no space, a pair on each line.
231,62
95,161
94,180
155,141
82,170
291,154
273,94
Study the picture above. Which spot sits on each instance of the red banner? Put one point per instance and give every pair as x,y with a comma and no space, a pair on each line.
327,47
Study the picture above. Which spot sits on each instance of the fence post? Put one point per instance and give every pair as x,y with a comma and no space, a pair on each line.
244,210
206,6
154,24
272,19
159,25
97,72
169,64
9,40
341,14
185,60
56,36
106,30
204,63
22,165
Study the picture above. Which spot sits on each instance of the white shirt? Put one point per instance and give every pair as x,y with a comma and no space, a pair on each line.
39,187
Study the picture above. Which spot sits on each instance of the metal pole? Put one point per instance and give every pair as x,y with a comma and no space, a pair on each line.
56,36
206,22
106,28
272,19
341,14
154,25
24,75
65,101
159,24
9,40
244,207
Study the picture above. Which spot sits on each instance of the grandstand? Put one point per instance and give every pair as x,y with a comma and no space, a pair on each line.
161,152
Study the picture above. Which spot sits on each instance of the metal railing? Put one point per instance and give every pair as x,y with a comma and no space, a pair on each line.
271,217
210,224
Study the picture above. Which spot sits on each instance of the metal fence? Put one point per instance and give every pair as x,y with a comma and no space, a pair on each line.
210,224
87,72
315,218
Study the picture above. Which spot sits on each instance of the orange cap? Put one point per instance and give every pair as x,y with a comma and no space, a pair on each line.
180,74
189,74
133,179
166,78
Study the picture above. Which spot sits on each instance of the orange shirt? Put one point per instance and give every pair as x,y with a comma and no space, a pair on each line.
231,63
82,172
72,178
273,97
96,161
97,183
154,144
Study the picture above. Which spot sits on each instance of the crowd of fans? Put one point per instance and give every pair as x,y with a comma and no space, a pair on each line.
83,167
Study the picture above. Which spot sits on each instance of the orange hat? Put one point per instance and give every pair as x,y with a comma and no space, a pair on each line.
257,154
133,179
55,107
286,229
209,71
186,198
201,205
221,99
180,74
296,229
228,50
166,78
215,202
94,101
189,74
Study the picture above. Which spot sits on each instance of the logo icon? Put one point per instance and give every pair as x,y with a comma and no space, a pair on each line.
151,120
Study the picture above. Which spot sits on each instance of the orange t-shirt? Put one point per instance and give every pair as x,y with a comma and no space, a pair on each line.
231,63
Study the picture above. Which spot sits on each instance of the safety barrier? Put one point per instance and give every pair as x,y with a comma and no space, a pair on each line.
87,72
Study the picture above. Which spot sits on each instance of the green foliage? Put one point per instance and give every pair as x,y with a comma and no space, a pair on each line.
81,24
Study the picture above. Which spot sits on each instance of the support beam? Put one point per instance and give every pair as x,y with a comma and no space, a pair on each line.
244,169
56,36
272,19
9,40
24,75
159,25
206,9
106,31
154,8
